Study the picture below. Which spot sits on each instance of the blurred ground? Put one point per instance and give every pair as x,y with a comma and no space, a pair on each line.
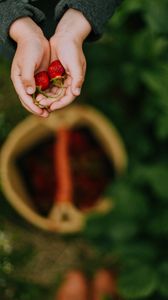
51,254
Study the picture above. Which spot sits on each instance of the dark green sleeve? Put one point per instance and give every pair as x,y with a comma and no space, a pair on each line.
10,10
96,12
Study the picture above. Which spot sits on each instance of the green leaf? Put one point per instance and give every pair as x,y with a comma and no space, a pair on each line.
158,226
129,203
122,231
162,125
155,176
136,249
156,15
137,281
163,279
4,126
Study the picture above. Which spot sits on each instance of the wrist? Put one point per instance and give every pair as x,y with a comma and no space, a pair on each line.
73,26
24,29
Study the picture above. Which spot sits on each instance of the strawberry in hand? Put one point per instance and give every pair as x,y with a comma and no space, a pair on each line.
46,93
42,81
56,73
56,88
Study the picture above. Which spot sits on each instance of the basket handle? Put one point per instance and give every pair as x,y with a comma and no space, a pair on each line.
63,211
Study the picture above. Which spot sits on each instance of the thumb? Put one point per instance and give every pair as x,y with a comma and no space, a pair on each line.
27,75
77,73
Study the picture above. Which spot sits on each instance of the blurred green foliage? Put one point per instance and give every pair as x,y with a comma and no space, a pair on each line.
12,287
128,81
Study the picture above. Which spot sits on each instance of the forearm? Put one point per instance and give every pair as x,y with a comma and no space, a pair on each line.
11,10
96,12
71,31
73,24
24,28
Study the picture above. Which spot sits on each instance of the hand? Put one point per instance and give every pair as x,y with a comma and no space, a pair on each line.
66,45
32,55
74,63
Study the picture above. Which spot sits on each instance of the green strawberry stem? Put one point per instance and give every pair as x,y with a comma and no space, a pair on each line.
59,94
39,91
56,97
58,81
34,97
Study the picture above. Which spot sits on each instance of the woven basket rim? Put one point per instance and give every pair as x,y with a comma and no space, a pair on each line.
81,113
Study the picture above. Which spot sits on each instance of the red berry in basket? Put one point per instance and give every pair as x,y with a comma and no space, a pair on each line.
42,81
56,69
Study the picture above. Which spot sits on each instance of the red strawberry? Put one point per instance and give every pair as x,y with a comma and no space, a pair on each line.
42,81
55,69
56,73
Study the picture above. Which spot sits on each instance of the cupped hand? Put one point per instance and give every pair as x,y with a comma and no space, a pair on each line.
71,55
66,46
32,55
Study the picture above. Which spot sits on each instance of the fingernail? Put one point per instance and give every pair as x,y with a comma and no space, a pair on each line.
30,90
77,91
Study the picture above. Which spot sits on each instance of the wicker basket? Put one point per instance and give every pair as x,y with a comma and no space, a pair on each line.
32,130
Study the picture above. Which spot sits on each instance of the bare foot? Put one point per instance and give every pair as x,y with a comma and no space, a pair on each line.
74,287
104,284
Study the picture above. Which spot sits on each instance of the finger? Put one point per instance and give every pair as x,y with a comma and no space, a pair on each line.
25,106
54,97
54,89
62,103
67,99
44,65
84,68
27,76
68,81
26,99
46,102
77,73
40,97
44,114
53,53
